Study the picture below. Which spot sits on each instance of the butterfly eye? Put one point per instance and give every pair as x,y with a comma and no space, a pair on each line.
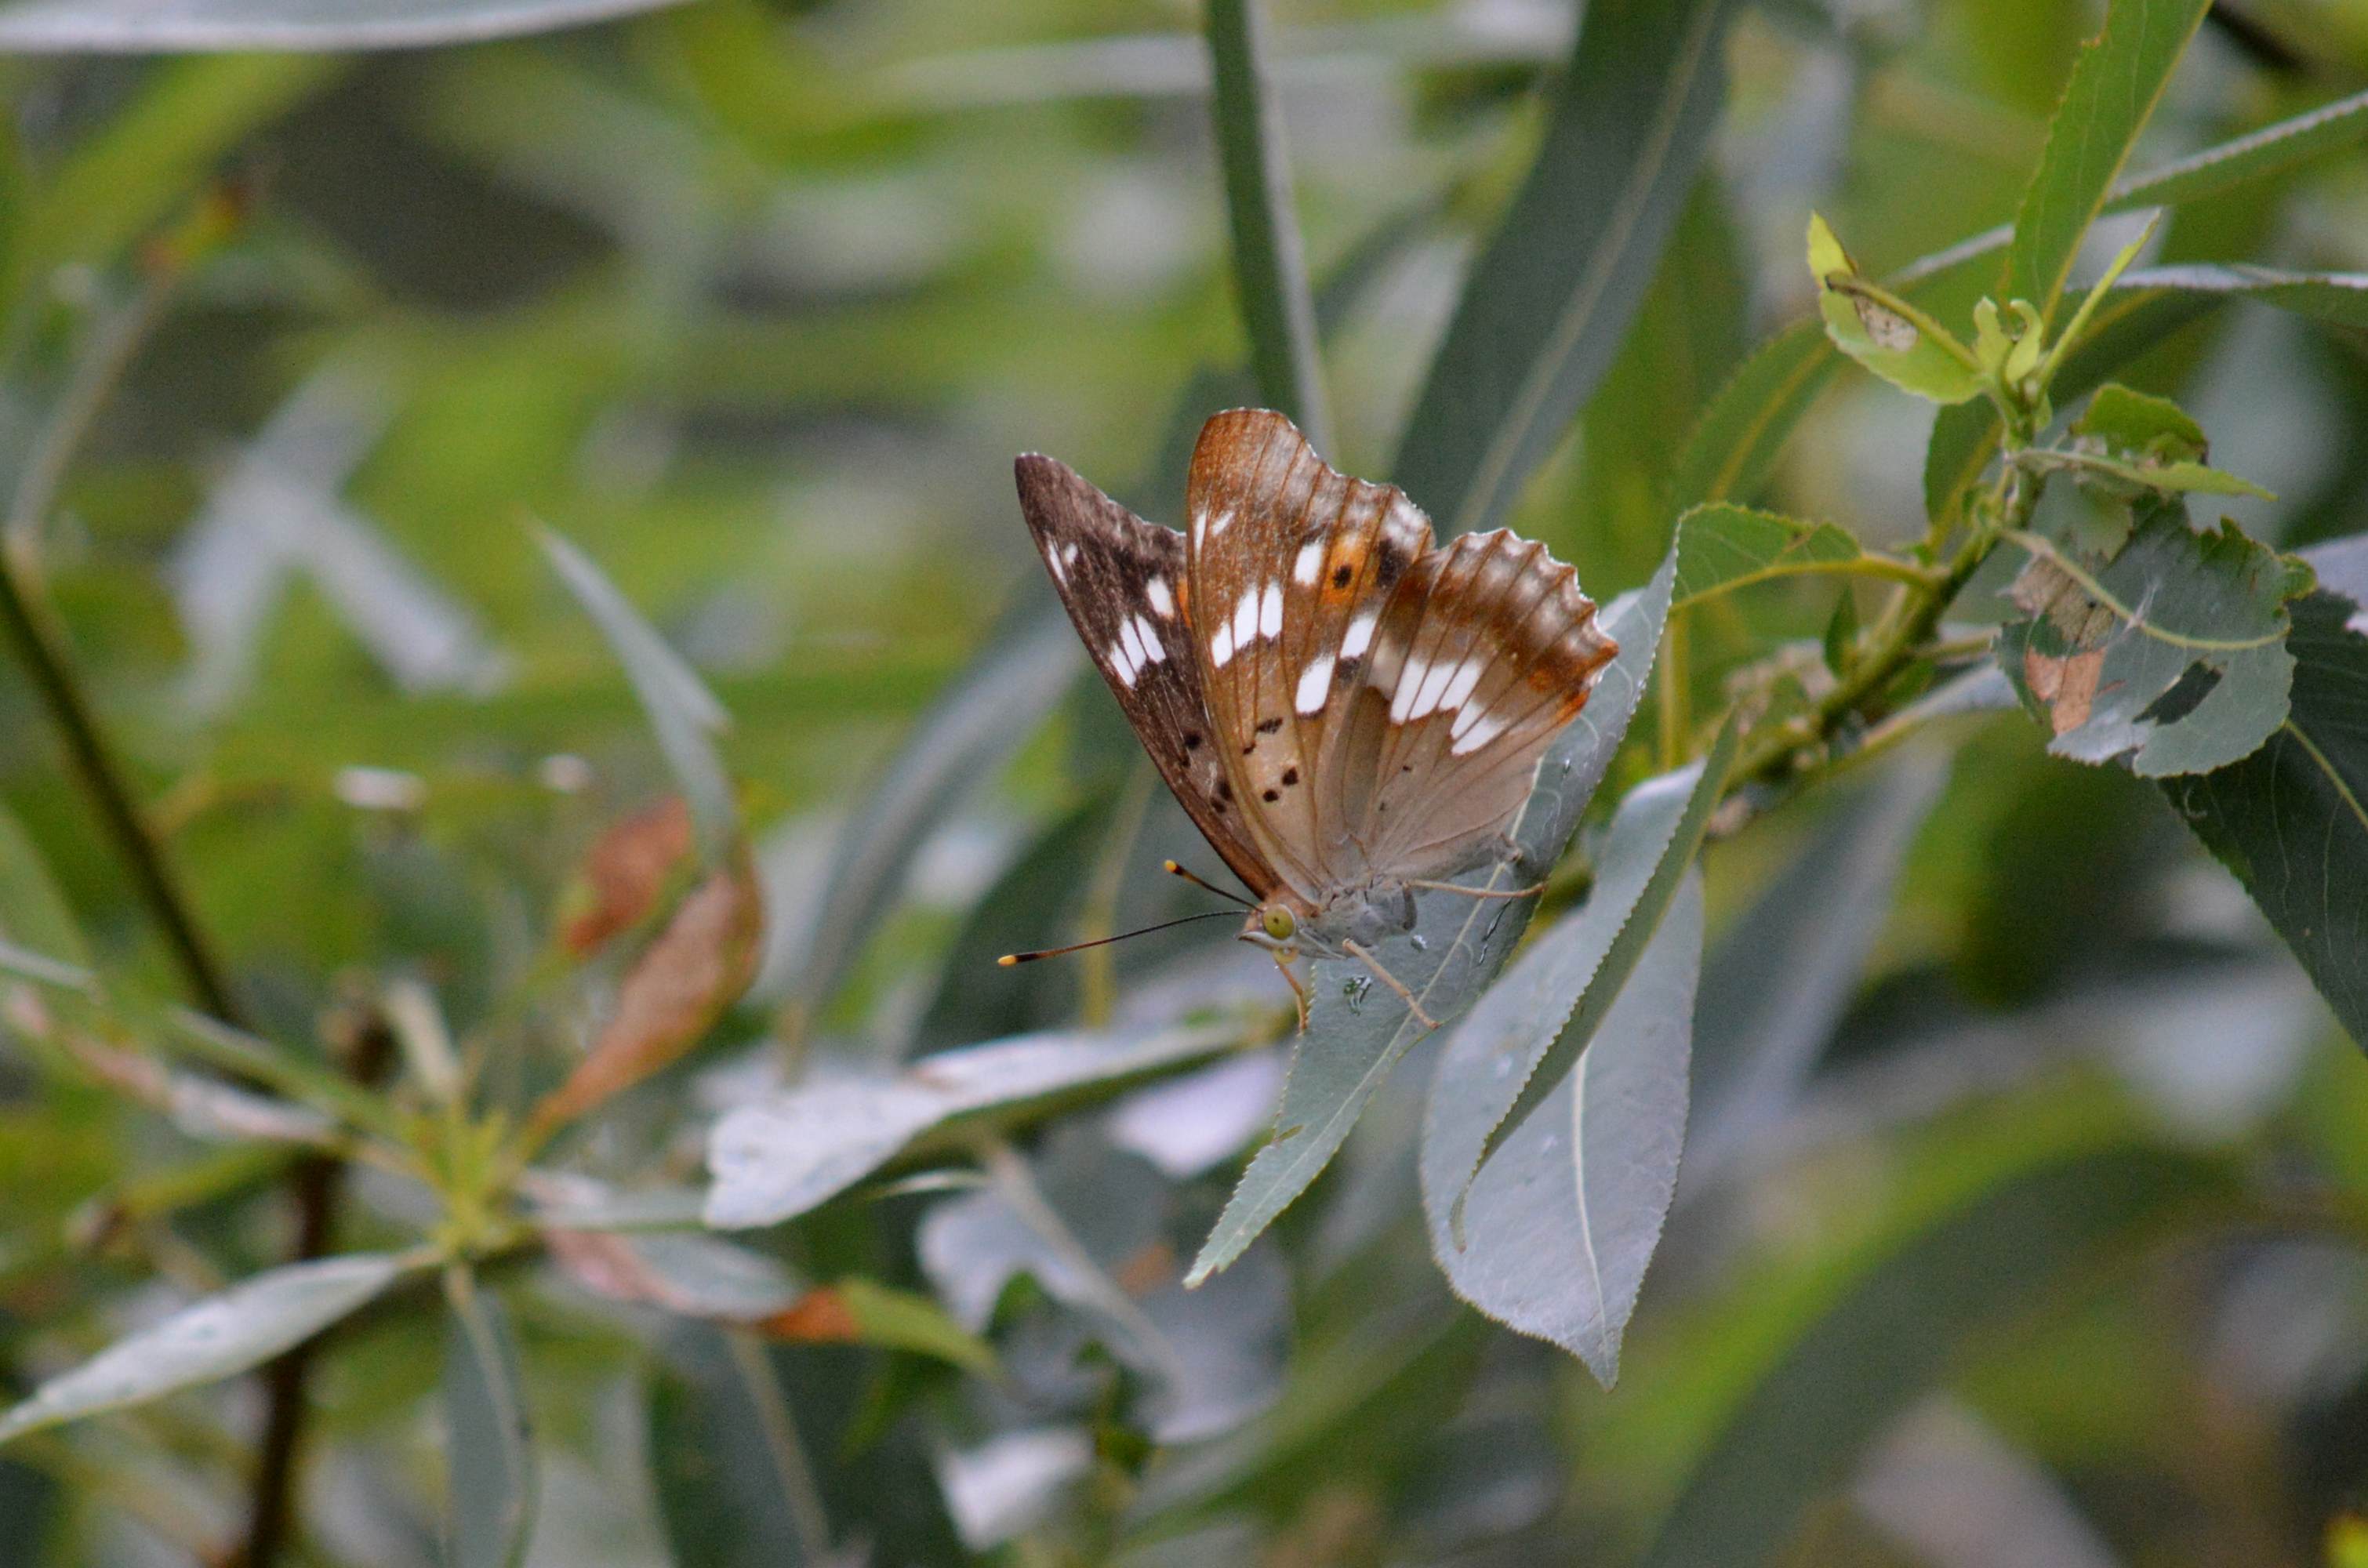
1279,922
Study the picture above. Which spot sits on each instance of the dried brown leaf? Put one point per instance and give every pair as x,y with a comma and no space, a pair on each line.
681,983
625,873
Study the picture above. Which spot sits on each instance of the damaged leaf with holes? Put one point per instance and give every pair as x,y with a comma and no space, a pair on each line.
2170,653
1884,332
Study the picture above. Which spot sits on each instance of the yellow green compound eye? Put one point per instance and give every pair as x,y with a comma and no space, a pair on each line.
1279,922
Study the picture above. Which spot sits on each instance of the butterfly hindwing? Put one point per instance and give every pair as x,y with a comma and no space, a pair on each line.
1485,652
1382,704
1124,584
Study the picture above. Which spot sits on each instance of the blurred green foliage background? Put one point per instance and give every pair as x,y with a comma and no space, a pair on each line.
2055,1260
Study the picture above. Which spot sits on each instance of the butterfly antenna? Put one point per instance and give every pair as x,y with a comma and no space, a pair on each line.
1007,959
1200,881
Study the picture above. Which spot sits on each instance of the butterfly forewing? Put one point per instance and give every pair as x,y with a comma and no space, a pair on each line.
1293,565
1382,704
1126,588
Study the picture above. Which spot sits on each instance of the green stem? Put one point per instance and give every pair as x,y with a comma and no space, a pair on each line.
41,650
1902,633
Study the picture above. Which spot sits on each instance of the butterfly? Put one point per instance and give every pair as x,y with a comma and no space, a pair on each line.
1348,711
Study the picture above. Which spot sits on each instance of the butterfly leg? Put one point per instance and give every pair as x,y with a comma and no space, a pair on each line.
1298,992
1531,892
1363,955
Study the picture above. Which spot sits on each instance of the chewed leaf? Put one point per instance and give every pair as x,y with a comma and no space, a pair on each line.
1356,1029
2172,653
1559,1228
1725,546
1883,332
241,1329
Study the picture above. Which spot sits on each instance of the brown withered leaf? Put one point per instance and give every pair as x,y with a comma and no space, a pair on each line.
2067,686
675,990
625,873
821,1316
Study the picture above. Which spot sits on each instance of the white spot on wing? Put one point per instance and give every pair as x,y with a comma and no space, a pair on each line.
1223,520
1435,682
1221,647
1246,619
1059,562
1487,729
1315,682
1270,611
1409,684
1154,650
1460,689
1360,635
1162,603
1124,663
1310,562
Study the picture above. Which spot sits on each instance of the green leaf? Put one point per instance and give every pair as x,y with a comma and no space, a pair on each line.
777,1158
34,917
2291,820
729,1493
967,732
128,176
1883,332
1723,546
488,1445
682,712
1032,904
1356,1029
218,1337
1731,450
2145,308
128,26
2138,425
1807,1425
1785,968
891,1319
1558,1229
2116,83
1646,850
693,1274
1550,299
2171,654
1269,272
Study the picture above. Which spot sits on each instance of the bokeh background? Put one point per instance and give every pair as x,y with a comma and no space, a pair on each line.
755,301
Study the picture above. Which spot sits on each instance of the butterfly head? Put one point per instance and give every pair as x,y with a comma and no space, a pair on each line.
1273,924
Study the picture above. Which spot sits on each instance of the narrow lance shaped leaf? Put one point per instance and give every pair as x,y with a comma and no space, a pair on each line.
981,719
1776,984
1840,1386
127,27
1270,270
489,1447
682,712
1357,1031
2116,83
218,1337
1646,850
1550,299
2291,820
779,1157
1559,1228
